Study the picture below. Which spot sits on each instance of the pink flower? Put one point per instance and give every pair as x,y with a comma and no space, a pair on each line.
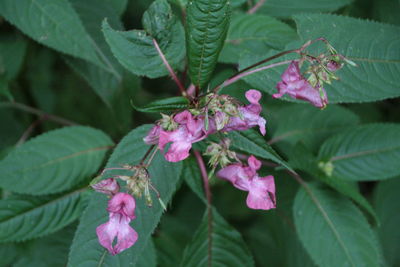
250,115
108,186
121,208
296,86
261,189
190,130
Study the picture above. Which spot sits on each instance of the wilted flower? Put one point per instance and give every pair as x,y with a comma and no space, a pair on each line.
261,189
121,208
107,186
296,86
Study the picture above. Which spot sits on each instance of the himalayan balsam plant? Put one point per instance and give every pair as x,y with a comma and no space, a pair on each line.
254,116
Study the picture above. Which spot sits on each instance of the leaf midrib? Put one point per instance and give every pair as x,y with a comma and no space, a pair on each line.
363,153
76,154
31,210
328,221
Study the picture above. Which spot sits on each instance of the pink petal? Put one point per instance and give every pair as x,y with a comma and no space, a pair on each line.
123,204
153,135
254,163
236,174
178,151
262,193
253,96
108,186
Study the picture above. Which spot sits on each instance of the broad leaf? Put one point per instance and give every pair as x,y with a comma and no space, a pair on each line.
373,46
207,22
54,161
135,50
23,218
333,231
364,153
227,246
164,105
254,32
307,124
107,80
252,143
387,204
287,8
301,158
52,23
86,250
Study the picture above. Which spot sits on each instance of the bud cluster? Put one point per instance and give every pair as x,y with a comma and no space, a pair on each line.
220,153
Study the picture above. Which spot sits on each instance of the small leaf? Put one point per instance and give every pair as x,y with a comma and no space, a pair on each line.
228,247
23,218
12,53
387,204
54,161
164,105
86,250
333,231
254,32
135,50
252,143
364,153
207,23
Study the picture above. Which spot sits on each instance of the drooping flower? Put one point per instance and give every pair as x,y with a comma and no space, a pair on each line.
261,189
296,86
249,115
121,208
107,186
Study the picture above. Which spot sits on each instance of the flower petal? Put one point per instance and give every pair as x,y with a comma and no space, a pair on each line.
123,204
107,186
262,193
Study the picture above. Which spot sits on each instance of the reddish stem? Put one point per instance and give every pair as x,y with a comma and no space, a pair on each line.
169,68
207,191
256,7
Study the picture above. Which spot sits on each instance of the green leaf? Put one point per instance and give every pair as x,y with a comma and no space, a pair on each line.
135,50
191,175
149,256
164,105
364,153
86,251
307,124
252,143
27,217
254,33
373,46
52,23
54,161
387,11
227,246
287,8
333,231
207,24
12,53
387,204
47,251
105,81
301,158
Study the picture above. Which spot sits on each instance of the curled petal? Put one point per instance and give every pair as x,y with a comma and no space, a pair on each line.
153,135
108,186
253,96
254,163
124,204
262,193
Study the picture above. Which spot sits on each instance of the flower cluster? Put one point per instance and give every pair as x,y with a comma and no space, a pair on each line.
121,209
191,126
261,189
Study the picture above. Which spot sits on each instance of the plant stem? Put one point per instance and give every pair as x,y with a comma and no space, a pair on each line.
207,191
28,131
240,75
146,155
38,112
169,68
256,7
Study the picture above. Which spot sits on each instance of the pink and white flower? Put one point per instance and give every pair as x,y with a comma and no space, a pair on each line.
296,86
261,189
121,208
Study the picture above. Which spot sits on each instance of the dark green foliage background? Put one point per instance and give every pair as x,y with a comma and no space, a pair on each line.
93,63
